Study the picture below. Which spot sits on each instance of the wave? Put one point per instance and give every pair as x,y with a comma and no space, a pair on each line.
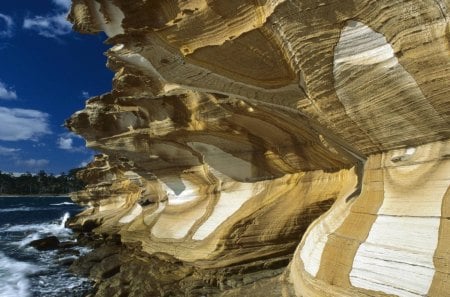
64,219
62,203
37,231
24,208
14,277
27,272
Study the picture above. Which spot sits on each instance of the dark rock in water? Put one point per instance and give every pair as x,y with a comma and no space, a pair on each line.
45,244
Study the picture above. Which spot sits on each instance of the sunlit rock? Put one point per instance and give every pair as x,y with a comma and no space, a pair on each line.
278,148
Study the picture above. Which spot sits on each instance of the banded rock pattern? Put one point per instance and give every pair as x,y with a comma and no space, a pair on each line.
233,125
391,239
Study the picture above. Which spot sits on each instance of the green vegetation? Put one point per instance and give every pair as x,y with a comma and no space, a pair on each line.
41,183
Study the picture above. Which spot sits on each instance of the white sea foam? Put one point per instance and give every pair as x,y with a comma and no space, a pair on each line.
26,272
24,208
64,219
37,231
62,203
13,277
27,240
84,250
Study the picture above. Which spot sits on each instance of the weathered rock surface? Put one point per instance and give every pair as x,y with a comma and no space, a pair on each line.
233,125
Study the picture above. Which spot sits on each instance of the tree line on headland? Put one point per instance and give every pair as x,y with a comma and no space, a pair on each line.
40,183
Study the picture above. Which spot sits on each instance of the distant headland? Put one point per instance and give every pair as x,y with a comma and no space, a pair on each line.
40,184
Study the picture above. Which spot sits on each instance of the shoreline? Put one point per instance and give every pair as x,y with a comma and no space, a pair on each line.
35,195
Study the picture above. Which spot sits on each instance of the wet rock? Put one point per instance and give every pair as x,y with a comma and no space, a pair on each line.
45,244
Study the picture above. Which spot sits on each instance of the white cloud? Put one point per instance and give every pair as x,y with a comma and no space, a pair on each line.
63,3
50,26
6,25
22,124
66,142
33,162
85,94
5,151
6,92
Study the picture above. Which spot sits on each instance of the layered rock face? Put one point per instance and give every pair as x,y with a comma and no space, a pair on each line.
243,136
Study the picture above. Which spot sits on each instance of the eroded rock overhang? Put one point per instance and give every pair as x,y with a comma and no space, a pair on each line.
233,124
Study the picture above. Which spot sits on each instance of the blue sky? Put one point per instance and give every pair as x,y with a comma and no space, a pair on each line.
47,71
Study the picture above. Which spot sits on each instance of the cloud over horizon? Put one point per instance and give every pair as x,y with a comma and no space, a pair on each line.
33,163
23,124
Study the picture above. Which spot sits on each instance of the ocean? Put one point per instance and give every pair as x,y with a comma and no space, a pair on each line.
26,272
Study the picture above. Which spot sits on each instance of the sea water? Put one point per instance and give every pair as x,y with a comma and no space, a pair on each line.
26,272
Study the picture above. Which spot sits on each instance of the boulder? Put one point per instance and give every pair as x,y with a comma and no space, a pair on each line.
45,244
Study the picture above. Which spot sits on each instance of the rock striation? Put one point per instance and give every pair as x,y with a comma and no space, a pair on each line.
269,148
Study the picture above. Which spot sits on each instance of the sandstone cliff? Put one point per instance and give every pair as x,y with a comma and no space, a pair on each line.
270,148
